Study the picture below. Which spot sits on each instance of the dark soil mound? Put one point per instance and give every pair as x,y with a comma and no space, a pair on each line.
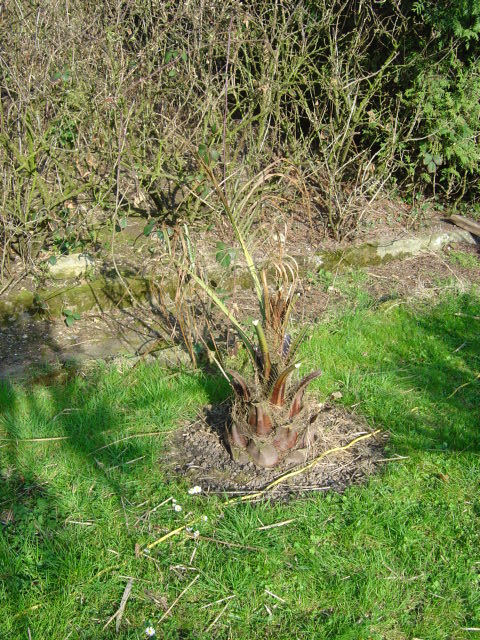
200,454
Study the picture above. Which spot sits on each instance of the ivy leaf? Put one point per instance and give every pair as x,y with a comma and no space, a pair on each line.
52,260
121,224
172,73
427,159
147,229
224,255
431,167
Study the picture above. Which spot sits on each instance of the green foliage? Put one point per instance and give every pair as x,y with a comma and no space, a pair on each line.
447,101
459,20
71,317
465,260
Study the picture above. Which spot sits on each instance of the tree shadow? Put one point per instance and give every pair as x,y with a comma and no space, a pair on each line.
98,445
430,396
439,363
25,340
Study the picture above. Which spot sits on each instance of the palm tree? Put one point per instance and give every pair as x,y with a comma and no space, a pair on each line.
268,413
268,417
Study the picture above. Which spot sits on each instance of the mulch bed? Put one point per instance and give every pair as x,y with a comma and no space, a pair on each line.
198,453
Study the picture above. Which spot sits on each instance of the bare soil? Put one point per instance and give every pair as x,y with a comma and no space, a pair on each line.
198,452
133,331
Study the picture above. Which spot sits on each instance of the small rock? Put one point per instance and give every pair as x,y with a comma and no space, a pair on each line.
299,456
71,266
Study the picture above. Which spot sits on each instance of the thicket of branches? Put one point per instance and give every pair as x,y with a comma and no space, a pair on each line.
104,106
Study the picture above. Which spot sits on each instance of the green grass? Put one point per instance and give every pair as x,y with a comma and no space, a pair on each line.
396,558
463,259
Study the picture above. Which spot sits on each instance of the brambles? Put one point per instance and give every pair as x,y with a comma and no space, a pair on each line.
103,107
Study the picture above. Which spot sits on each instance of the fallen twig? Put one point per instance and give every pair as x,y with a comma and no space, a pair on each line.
123,602
169,535
210,604
125,463
135,435
465,315
178,598
150,511
277,524
210,626
465,384
18,440
270,593
227,544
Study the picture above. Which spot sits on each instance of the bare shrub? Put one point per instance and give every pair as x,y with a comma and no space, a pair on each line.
105,104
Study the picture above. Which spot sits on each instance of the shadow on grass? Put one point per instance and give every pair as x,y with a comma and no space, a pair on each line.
54,492
100,471
414,372
444,368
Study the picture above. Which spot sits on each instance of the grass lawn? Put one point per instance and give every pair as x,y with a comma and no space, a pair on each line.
396,558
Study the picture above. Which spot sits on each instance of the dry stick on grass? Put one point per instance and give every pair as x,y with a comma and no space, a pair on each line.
259,494
135,435
465,315
17,440
274,595
277,524
210,626
227,544
210,604
178,598
465,384
393,459
150,511
110,444
123,602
